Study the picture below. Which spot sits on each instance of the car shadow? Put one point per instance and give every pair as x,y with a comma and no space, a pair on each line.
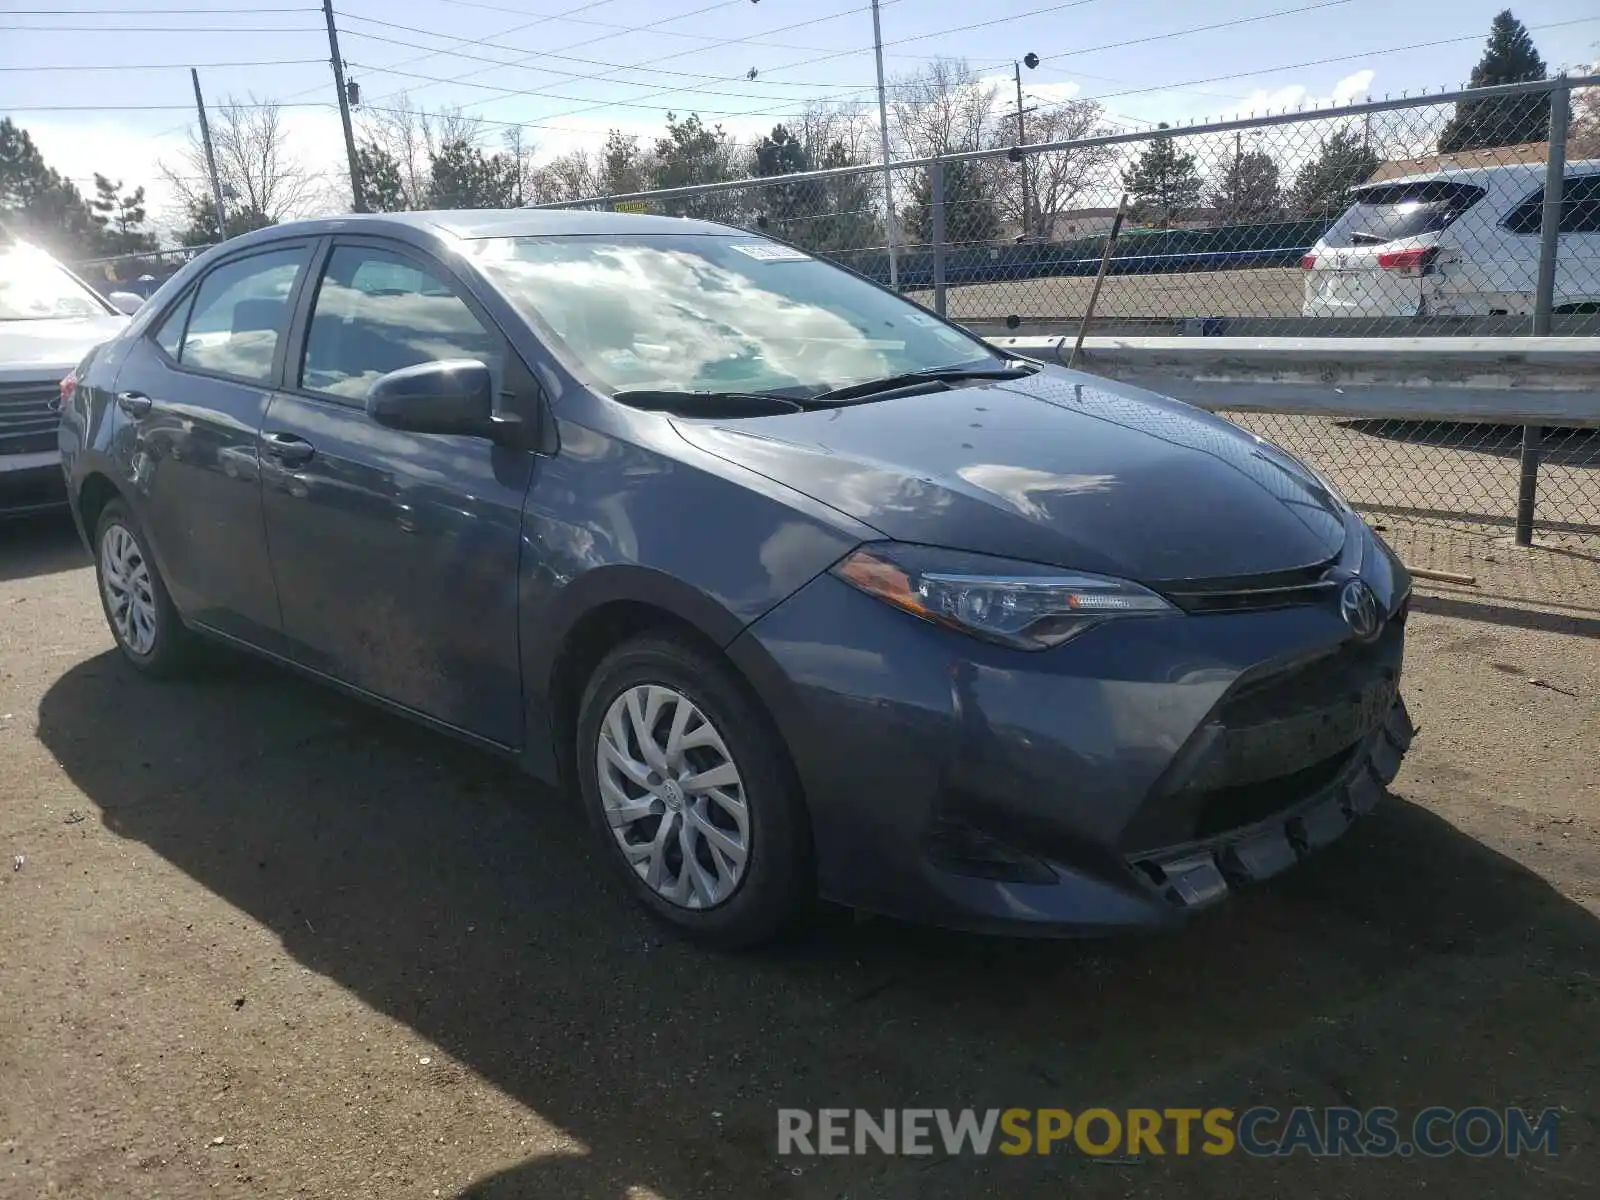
450,894
1572,446
45,545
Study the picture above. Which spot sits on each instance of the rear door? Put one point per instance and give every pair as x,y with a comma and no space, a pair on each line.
193,392
1382,256
395,553
1577,239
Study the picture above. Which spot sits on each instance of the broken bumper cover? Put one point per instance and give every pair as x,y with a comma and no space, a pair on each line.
1202,873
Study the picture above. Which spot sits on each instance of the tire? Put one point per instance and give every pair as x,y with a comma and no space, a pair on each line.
140,613
754,803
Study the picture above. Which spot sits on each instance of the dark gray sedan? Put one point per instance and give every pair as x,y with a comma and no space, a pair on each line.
807,591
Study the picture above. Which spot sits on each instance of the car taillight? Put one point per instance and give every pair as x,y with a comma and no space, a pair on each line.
1308,262
1418,258
69,385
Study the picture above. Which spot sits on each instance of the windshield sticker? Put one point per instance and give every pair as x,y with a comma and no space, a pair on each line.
771,252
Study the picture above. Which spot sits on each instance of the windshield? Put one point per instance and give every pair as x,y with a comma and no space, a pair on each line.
717,314
33,287
1391,211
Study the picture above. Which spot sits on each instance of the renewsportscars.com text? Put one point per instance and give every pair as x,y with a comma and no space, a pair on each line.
1258,1131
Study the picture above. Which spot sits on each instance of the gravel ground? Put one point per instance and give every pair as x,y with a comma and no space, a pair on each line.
265,942
1268,292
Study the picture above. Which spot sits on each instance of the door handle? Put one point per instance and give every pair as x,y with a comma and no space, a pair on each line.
135,404
288,449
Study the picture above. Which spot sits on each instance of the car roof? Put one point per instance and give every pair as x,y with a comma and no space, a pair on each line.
1503,171
506,222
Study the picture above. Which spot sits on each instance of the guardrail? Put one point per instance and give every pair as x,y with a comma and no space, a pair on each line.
1549,386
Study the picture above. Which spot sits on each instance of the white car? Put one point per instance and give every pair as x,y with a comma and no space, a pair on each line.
1458,242
49,320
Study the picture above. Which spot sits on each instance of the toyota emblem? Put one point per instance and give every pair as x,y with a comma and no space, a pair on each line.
1360,610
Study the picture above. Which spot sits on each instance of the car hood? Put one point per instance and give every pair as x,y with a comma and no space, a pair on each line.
1058,467
53,345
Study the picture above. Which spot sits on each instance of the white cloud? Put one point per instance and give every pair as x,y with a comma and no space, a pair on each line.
1033,93
1349,90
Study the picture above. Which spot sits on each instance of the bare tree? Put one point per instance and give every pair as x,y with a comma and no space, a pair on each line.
412,138
1057,180
520,151
851,126
942,109
569,176
260,175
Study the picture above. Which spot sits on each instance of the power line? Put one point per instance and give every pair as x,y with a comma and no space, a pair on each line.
124,11
162,28
678,54
521,66
576,45
1315,62
260,62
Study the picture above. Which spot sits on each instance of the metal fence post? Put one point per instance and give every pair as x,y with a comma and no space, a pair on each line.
936,203
1544,298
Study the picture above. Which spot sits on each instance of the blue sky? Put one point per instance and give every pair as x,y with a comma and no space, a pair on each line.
695,54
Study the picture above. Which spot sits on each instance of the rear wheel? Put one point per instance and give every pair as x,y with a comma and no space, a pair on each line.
138,609
688,788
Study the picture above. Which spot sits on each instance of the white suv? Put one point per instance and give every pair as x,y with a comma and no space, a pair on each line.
1459,242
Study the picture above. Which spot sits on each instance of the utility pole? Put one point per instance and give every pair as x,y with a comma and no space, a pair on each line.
211,158
344,109
883,134
1022,140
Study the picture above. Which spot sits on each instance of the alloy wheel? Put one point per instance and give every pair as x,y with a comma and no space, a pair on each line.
672,796
125,579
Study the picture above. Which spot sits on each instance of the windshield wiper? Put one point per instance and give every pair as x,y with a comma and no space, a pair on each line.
1362,238
891,383
708,404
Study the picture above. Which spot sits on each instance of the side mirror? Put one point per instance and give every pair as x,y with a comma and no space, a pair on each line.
454,396
126,303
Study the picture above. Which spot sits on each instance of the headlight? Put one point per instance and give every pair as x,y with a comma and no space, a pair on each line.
1025,605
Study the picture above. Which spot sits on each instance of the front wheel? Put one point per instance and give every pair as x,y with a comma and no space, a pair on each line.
688,788
143,620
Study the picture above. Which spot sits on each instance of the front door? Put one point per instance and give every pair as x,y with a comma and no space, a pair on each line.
194,391
395,553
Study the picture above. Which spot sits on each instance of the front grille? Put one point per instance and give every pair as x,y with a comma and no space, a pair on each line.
28,417
1272,742
1277,589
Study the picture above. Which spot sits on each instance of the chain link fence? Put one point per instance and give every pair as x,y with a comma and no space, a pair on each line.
1420,217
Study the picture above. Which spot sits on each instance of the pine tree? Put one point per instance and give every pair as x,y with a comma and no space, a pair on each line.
202,216
785,209
1508,57
37,204
381,185
120,215
1164,183
1248,189
1322,185
464,177
971,212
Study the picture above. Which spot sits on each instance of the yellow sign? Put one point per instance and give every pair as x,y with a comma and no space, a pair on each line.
632,206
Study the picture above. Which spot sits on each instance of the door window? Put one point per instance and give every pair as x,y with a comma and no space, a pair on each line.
169,336
377,312
1580,208
240,312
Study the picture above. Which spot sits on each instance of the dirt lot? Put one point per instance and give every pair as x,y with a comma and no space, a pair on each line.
1272,292
264,942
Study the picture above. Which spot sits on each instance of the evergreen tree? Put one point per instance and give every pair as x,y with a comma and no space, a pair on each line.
1164,183
120,216
971,213
1322,185
37,204
464,177
201,229
786,209
1248,189
1509,56
381,184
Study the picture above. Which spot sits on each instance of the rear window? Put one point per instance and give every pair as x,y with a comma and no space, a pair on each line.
1387,212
